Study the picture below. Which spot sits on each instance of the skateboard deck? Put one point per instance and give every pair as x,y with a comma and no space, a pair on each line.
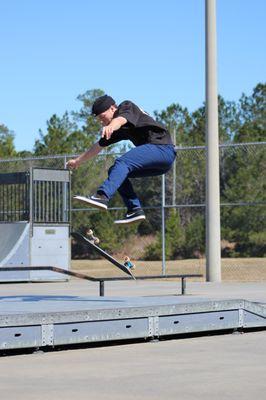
91,243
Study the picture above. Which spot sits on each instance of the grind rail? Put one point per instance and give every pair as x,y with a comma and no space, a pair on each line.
102,280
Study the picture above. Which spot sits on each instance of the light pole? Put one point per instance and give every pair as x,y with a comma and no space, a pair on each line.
213,247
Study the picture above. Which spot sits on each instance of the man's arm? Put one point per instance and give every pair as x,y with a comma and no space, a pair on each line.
87,155
114,125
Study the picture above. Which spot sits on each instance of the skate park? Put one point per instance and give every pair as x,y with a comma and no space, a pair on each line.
38,249
75,322
138,323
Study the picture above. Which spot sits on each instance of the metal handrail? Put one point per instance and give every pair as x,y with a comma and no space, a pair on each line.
101,280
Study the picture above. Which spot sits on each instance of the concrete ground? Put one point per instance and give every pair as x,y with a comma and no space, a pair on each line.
230,366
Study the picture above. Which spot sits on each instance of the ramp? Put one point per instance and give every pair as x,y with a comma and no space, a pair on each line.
34,222
14,249
12,236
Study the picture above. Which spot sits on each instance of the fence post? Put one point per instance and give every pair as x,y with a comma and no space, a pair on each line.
65,202
163,225
174,174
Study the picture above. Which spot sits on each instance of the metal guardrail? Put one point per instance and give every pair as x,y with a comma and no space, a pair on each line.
102,280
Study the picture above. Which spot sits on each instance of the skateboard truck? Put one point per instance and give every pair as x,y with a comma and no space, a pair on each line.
128,263
90,235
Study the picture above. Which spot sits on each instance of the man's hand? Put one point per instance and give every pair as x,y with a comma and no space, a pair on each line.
72,164
114,125
107,131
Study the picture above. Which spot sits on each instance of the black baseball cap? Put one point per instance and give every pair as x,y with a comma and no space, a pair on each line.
102,104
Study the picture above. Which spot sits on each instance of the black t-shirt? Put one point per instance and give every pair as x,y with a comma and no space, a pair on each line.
140,128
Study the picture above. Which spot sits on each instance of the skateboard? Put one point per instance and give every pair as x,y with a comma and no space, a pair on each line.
92,241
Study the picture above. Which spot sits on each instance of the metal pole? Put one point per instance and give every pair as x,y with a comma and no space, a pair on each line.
183,285
101,288
65,219
213,247
31,200
163,225
174,173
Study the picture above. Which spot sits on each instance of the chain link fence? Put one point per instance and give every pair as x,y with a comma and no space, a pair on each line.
174,231
243,207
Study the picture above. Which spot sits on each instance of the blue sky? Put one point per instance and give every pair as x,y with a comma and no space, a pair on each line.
151,52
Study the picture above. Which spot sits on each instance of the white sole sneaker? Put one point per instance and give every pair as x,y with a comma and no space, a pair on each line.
94,203
129,220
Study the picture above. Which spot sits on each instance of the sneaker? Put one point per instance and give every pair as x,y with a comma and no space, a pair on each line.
97,200
132,216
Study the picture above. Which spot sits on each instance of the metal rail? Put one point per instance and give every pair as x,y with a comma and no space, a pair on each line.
101,280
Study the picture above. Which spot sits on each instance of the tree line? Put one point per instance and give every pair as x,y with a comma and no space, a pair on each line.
242,177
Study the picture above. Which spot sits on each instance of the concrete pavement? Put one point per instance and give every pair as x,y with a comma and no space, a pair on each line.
230,366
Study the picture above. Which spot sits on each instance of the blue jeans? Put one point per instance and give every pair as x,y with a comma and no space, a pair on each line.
144,160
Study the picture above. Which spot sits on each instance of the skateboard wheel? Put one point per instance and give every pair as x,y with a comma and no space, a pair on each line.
89,232
96,241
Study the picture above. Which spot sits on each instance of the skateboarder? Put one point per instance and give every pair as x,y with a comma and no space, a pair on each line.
153,155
